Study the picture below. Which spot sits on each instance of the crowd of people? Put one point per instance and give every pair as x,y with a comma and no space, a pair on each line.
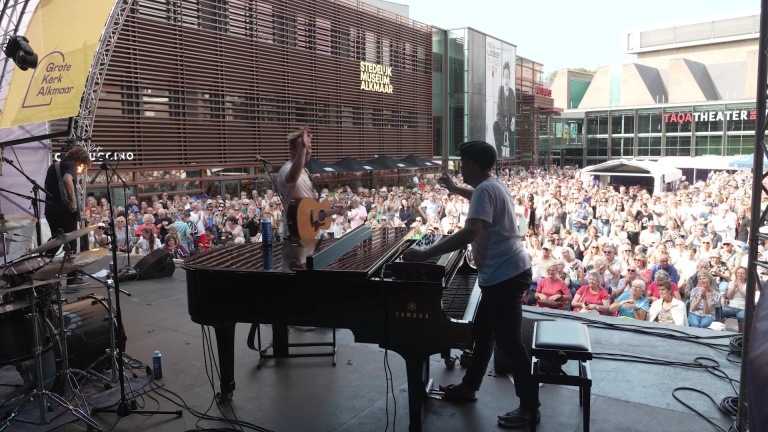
594,249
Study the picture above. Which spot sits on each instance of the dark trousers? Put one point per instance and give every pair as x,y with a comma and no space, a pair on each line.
500,317
62,224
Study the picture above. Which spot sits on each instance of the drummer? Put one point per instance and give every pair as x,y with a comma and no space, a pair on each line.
62,209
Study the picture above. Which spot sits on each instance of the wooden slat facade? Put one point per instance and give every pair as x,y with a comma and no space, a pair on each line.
211,83
529,127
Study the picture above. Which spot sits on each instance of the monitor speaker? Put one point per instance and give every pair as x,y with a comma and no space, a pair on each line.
156,264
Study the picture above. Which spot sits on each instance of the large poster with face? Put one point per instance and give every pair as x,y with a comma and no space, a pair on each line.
500,96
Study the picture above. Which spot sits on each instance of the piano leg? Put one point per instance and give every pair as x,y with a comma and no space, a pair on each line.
225,344
417,368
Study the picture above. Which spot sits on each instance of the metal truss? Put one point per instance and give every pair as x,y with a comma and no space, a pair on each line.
83,127
80,133
757,217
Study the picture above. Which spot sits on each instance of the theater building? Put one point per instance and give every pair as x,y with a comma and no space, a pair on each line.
690,93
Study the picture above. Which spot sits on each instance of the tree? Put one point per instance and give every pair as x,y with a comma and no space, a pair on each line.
552,75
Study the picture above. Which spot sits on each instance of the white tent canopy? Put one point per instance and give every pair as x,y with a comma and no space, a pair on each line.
633,168
709,162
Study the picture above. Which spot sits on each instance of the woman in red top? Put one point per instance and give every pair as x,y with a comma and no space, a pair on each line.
205,241
592,296
551,291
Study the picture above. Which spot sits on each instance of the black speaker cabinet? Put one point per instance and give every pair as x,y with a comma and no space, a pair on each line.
156,264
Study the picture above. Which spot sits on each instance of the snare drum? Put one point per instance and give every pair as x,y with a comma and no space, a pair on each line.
21,270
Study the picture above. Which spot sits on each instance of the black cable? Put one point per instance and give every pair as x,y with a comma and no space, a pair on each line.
694,409
729,404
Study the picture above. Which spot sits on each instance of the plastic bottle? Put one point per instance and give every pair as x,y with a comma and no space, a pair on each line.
157,365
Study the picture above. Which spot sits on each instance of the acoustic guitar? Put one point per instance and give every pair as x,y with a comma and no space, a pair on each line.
306,216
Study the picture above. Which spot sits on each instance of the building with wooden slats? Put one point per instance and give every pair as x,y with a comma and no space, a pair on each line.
198,88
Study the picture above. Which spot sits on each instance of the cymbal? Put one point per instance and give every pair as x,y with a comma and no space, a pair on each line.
74,262
29,285
66,238
14,222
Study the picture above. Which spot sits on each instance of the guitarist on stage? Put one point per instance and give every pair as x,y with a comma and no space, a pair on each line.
294,182
62,209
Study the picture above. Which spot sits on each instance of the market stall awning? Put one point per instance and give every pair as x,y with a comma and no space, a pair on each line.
419,162
354,165
315,166
387,163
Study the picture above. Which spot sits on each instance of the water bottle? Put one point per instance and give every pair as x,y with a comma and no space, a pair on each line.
268,257
157,365
267,236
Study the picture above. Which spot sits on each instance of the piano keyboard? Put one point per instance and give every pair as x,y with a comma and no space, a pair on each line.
460,297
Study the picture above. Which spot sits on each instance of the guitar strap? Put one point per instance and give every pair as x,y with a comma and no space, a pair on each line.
62,190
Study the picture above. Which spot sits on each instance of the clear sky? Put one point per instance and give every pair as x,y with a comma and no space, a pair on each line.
568,34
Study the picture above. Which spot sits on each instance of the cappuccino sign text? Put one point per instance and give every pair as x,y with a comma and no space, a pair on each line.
375,78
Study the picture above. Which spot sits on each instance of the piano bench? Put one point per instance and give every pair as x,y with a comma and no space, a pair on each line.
557,342
281,348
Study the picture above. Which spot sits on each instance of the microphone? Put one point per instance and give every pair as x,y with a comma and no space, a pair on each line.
102,167
261,159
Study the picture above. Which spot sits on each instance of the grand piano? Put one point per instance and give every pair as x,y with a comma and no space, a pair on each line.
357,282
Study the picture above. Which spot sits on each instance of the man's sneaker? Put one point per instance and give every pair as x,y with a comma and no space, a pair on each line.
77,282
517,418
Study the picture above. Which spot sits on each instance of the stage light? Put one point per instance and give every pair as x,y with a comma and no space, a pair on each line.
17,49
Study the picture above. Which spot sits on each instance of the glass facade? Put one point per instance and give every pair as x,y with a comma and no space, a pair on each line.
665,130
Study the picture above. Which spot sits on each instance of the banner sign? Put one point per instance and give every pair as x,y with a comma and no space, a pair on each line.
65,36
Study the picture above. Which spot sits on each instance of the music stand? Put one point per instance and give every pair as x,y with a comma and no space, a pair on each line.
124,406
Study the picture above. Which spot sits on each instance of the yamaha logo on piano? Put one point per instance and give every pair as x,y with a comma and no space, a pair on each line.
411,312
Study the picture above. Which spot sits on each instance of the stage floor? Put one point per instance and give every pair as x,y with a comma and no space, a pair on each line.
309,394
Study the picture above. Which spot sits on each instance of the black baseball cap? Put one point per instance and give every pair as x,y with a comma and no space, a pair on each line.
479,152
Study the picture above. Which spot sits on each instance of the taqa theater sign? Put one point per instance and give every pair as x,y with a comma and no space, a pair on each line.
710,116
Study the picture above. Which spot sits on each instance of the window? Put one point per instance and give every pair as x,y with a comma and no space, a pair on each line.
156,102
740,119
622,147
622,123
739,145
678,146
597,147
339,42
649,122
709,145
597,124
649,147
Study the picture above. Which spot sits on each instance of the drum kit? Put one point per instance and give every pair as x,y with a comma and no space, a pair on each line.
52,342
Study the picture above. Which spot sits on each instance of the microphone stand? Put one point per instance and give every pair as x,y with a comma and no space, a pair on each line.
36,188
274,185
124,407
128,246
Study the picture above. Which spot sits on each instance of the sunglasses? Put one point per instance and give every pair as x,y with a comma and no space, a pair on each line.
101,228
631,271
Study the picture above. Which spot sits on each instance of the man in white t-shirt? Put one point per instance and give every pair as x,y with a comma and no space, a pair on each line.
293,182
504,274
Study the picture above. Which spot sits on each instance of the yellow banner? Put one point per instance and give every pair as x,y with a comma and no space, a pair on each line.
65,35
